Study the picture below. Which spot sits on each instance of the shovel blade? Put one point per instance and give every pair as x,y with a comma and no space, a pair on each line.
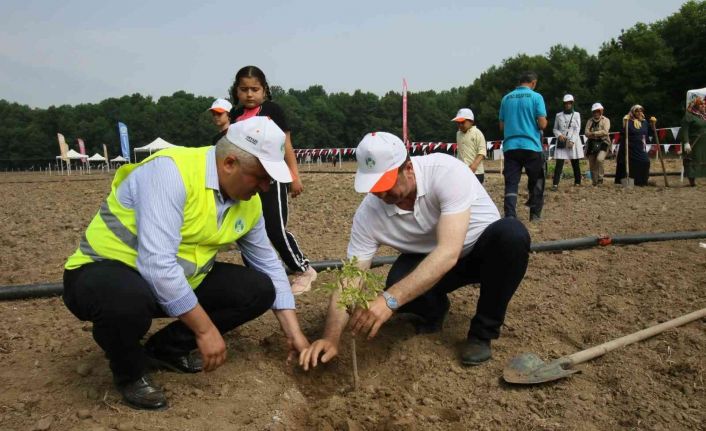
628,183
529,369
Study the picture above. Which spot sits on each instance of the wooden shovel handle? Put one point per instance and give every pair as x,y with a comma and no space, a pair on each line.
602,349
659,155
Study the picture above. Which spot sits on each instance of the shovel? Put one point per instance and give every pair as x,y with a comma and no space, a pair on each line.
627,182
660,156
528,369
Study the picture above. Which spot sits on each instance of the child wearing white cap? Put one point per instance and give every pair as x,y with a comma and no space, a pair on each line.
220,113
433,210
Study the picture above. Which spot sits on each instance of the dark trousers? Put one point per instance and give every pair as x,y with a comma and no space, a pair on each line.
559,167
498,262
481,178
274,209
533,162
121,306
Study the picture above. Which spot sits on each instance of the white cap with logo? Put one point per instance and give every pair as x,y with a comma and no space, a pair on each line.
379,156
596,106
221,106
262,138
568,98
463,114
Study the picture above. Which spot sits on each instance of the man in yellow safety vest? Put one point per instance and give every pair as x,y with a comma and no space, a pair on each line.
150,251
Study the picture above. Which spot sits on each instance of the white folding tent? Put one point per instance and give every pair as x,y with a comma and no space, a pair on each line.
153,147
693,94
119,159
96,158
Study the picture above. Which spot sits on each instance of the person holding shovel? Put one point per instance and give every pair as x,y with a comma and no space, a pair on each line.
435,212
693,138
637,131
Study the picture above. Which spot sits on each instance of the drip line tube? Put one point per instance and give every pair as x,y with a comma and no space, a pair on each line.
42,290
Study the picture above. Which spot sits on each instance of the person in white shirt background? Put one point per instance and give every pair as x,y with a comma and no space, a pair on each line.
567,130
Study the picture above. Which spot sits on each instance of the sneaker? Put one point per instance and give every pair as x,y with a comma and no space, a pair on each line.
555,188
302,281
475,351
535,218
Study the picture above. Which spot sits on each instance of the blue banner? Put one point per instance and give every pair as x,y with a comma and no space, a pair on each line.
124,141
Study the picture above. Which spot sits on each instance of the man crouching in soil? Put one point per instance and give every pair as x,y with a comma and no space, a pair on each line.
433,210
151,252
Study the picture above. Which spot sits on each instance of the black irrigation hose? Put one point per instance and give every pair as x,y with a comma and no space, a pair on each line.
54,289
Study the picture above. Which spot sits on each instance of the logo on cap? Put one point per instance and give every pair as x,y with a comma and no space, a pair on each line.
370,162
239,226
281,149
251,140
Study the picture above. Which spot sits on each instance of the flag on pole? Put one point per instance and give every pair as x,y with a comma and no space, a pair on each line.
82,150
404,114
124,140
63,147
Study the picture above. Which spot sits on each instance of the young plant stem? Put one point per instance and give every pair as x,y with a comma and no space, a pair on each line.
356,379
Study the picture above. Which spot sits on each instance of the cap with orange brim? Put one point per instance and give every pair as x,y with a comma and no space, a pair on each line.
379,155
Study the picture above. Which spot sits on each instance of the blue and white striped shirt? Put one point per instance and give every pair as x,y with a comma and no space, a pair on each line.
156,192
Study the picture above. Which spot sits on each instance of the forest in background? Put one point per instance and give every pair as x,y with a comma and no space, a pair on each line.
650,64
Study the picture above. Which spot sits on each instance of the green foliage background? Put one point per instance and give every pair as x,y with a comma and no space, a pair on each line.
650,64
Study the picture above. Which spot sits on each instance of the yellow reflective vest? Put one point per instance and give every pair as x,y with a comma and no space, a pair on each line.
112,234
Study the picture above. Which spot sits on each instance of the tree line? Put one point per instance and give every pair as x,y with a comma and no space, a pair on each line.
650,64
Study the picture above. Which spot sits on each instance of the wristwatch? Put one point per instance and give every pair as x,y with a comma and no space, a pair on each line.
391,301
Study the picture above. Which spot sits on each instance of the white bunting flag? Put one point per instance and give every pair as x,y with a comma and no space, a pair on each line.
675,131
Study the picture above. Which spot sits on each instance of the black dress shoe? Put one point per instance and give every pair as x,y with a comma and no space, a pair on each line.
187,363
475,351
143,394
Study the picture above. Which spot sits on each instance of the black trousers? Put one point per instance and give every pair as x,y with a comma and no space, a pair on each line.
274,209
121,306
559,167
533,162
481,178
498,262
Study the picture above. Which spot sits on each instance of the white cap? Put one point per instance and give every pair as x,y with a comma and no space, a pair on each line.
596,106
463,114
221,105
262,138
379,155
568,98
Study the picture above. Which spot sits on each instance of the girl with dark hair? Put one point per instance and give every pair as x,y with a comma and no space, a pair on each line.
251,90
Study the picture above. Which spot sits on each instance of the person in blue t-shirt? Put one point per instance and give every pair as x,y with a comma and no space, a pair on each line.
522,117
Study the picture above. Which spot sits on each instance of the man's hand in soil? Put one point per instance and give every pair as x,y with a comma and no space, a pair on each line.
208,338
310,356
297,346
212,349
369,321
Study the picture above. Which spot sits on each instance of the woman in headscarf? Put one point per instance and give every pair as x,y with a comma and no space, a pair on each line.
638,131
693,138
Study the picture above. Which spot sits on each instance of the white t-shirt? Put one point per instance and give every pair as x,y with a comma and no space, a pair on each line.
444,186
